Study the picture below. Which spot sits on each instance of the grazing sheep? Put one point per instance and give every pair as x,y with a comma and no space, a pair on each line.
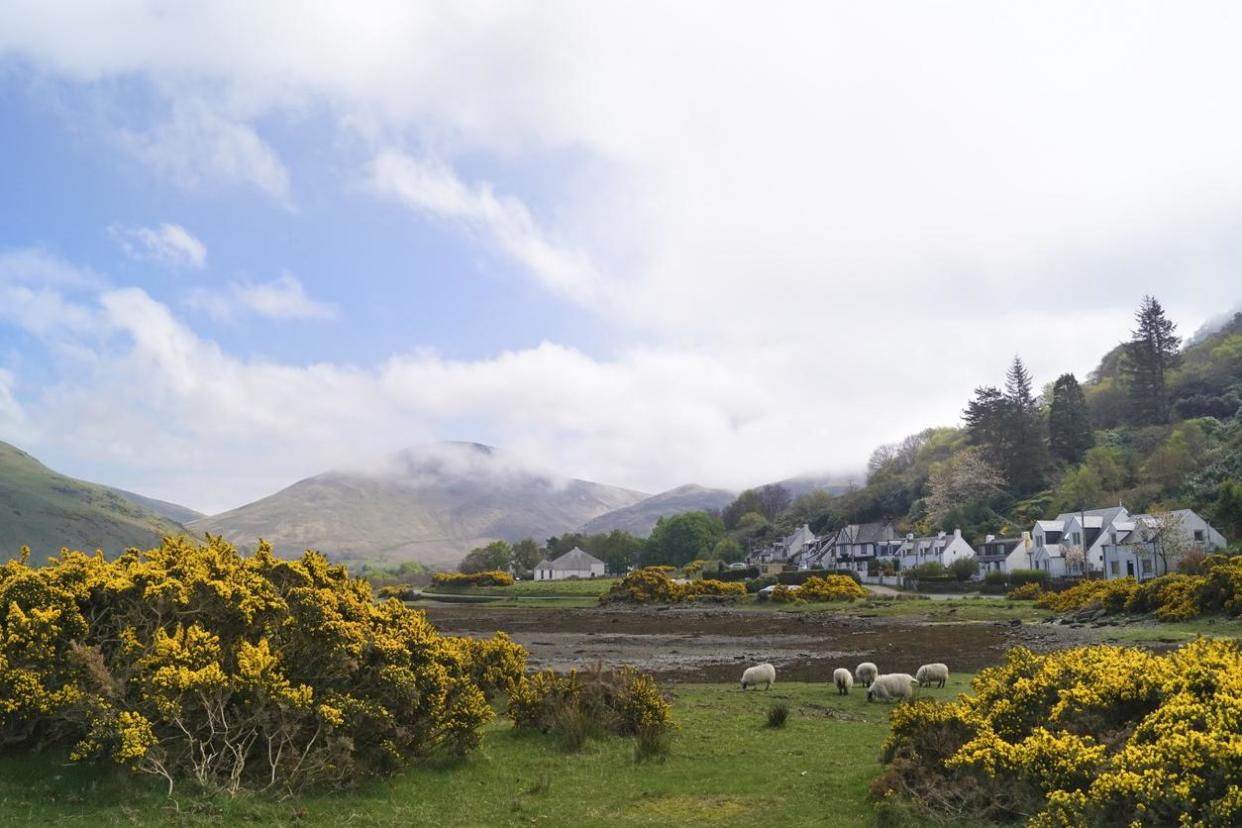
764,674
892,686
843,680
930,674
865,673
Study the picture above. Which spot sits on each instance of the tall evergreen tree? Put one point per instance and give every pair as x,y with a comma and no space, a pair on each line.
985,417
1069,421
1150,353
1026,456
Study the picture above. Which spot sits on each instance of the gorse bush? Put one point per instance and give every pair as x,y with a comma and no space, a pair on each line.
830,588
192,662
654,585
1027,591
1173,597
579,705
1093,736
492,577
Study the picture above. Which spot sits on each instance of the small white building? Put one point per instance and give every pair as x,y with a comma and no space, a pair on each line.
573,564
1148,546
1073,544
940,548
1005,554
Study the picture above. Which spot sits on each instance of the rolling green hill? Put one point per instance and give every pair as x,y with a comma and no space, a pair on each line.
46,511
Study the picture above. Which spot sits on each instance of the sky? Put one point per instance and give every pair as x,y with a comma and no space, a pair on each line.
640,243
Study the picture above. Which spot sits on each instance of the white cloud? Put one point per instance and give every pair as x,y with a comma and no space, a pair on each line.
168,244
11,414
281,298
201,148
431,188
809,228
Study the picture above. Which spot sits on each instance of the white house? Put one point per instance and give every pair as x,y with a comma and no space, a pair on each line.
1151,545
940,548
1005,554
573,564
1073,544
788,550
853,547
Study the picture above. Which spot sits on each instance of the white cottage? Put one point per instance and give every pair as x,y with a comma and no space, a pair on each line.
1005,554
940,548
1073,544
1151,545
573,564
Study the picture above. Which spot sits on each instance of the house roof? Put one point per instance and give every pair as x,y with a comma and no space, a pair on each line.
868,532
575,559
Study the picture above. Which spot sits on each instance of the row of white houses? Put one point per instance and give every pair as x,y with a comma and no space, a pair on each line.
1110,542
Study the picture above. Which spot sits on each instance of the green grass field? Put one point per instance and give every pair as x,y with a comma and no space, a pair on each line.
726,768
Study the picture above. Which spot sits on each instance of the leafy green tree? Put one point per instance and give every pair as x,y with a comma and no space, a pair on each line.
964,568
1227,511
1150,354
1069,421
768,501
679,539
496,555
619,550
728,550
526,553
1080,489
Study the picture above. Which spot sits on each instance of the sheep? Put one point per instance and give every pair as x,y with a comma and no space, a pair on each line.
865,673
892,686
764,674
844,681
930,674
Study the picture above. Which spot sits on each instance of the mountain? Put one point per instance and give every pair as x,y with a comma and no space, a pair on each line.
172,511
639,518
46,511
432,505
831,483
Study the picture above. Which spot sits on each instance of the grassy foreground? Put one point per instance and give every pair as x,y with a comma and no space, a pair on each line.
726,767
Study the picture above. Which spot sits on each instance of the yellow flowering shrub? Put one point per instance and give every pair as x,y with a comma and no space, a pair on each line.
1093,736
831,588
710,587
492,577
1172,597
784,594
193,662
1029,591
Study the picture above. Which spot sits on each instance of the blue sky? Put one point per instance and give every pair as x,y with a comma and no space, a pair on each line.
240,245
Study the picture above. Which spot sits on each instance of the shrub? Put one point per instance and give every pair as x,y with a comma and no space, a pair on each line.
756,584
1017,577
492,577
654,585
996,578
402,592
777,715
831,588
192,662
1029,591
785,594
1112,596
931,569
576,706
1172,597
964,568
800,577
1098,735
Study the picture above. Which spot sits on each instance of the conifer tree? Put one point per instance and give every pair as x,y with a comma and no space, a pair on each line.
1150,354
1069,421
1026,456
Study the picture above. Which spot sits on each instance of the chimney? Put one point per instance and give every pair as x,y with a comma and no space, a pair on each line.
957,533
910,536
989,538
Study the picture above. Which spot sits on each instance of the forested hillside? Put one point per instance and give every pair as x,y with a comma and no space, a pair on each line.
1155,426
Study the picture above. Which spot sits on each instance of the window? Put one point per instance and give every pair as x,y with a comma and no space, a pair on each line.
1146,566
1114,567
1199,535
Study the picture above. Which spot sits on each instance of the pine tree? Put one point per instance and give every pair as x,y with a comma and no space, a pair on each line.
1025,456
1150,353
985,418
1069,421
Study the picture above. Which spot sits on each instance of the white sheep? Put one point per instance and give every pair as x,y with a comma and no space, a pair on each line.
764,674
892,686
930,674
844,681
865,673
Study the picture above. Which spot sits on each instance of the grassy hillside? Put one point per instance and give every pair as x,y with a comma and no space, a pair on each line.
46,511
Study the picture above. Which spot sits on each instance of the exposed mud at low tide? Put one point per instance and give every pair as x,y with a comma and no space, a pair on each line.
696,644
